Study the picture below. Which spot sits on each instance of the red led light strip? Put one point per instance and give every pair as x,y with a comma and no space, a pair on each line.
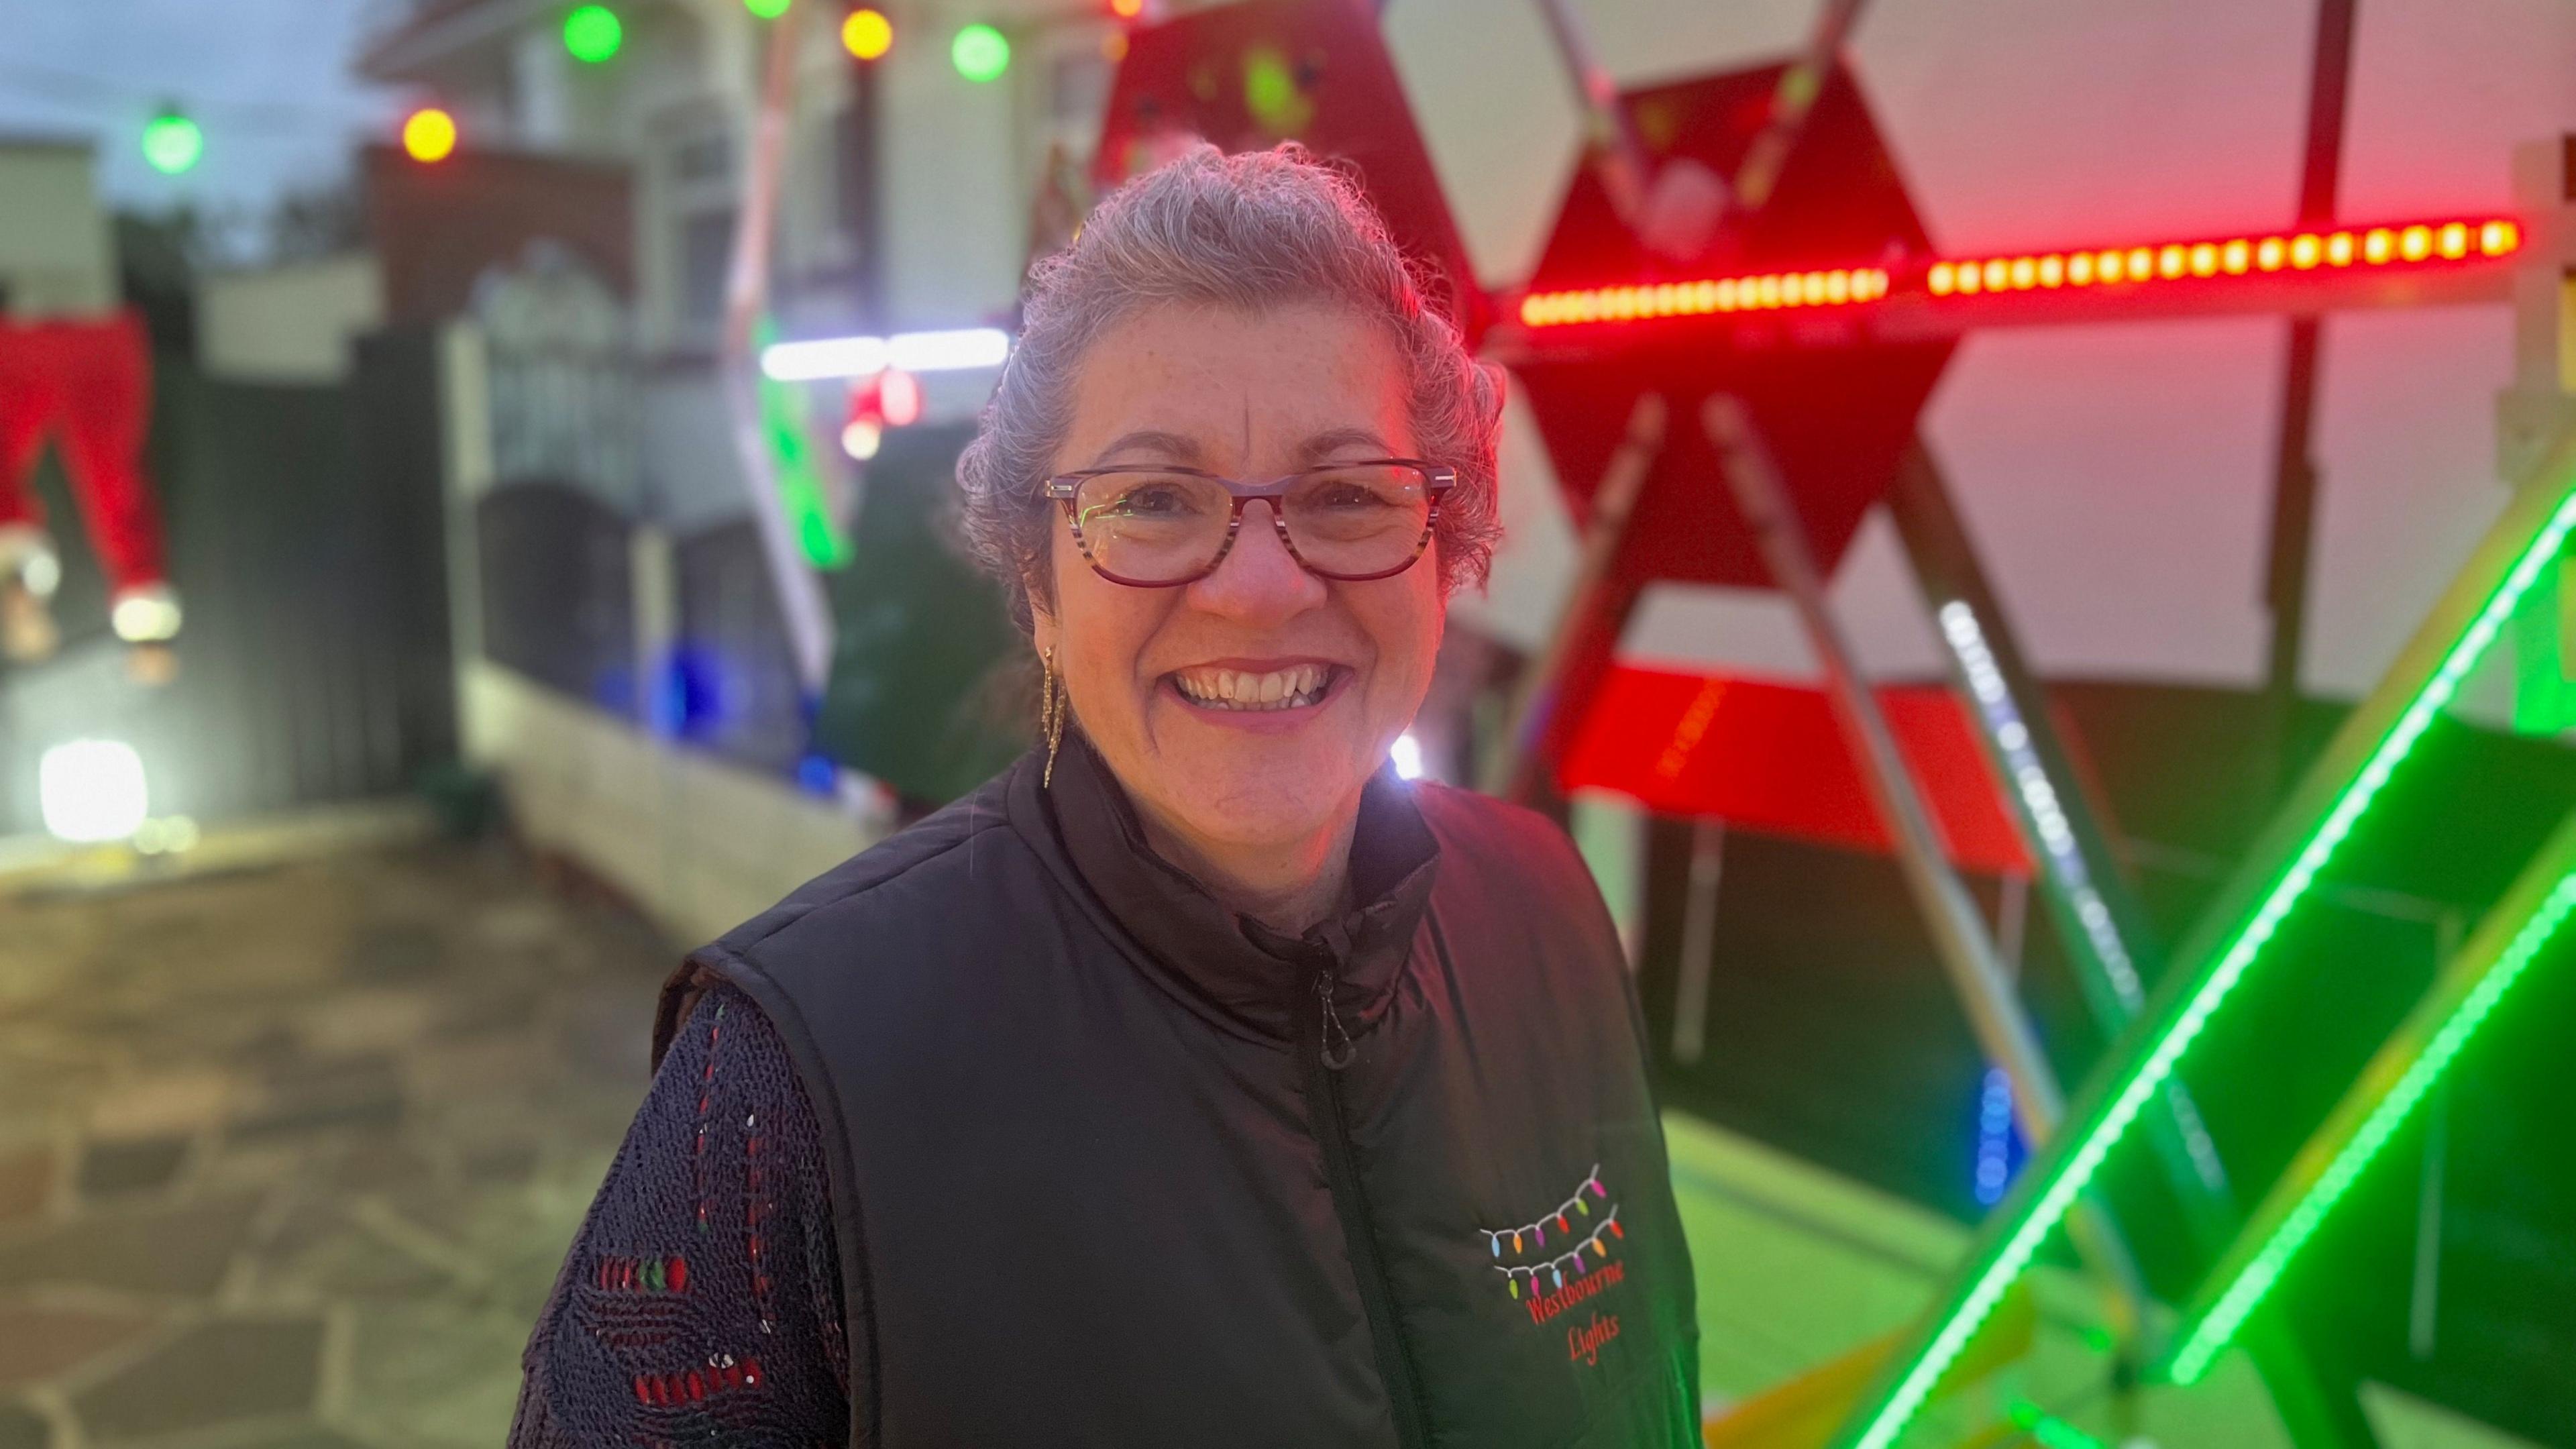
2306,251
2400,246
1702,298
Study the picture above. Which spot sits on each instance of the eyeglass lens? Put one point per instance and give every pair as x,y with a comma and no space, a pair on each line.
1154,526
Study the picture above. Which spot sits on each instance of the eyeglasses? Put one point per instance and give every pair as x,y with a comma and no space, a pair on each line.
1159,527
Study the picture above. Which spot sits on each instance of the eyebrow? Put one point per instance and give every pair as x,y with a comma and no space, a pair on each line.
1152,440
1334,440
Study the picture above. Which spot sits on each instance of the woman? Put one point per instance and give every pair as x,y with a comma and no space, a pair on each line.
1196,1081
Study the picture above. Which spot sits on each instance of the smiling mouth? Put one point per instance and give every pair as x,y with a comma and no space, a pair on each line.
1301,686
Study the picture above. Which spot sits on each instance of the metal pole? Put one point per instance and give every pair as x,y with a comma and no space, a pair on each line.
2294,487
1618,157
2096,909
1794,97
2424,1310
1699,941
801,603
1958,931
1596,608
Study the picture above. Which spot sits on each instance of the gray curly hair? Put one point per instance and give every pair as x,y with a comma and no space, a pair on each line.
1248,231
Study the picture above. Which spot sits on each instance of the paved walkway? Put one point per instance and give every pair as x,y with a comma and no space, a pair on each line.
289,1157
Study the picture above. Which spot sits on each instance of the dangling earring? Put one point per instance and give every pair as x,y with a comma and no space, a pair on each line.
1051,713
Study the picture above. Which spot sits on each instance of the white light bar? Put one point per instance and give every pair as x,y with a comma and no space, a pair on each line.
831,357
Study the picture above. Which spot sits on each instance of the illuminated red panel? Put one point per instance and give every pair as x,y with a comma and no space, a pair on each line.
1249,76
1835,419
1769,757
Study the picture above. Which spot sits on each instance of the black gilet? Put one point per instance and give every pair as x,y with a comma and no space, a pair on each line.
1110,1166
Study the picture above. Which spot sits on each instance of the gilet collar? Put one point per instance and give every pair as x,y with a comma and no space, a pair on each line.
1243,970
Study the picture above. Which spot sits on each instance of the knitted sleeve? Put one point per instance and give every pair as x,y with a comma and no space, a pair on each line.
701,1301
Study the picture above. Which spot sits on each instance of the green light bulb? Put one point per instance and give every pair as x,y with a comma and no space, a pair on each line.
767,9
980,53
173,144
593,34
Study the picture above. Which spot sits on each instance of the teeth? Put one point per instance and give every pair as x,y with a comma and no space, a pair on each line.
1234,689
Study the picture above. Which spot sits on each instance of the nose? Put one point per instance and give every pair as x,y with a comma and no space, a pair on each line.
1260,582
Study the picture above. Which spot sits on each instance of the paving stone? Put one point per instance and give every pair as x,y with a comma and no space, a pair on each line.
112,1167
163,1102
212,1374
26,1183
361,1092
38,1343
180,1250
407,1357
22,1428
379,1164
499,1162
394,954
421,1034
305,1438
352,1263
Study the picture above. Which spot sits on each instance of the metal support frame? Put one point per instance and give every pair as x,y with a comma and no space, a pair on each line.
1597,606
2400,1076
2274,876
1699,940
1587,631
2095,907
1959,935
2294,487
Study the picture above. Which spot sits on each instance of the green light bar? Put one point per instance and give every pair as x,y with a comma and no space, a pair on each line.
2472,984
2049,1431
799,477
2534,526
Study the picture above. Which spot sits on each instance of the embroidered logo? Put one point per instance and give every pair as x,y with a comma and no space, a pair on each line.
1584,1344
1584,1242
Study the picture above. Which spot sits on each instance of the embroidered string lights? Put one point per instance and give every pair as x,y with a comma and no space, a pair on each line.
1574,1204
1565,1218
1592,1247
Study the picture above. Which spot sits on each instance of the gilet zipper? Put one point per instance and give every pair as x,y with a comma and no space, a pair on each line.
1327,1048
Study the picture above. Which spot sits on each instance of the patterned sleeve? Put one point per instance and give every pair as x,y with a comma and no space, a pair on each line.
701,1301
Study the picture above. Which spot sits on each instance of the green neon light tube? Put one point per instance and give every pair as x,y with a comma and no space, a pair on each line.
2049,1431
2535,525
799,476
2379,1102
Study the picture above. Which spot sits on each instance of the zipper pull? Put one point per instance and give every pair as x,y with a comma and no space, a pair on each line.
1334,1058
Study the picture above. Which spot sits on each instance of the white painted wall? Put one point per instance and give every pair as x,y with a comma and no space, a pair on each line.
288,324
57,257
699,845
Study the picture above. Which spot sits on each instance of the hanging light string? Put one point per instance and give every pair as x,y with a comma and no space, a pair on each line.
1591,1247
81,90
1573,1204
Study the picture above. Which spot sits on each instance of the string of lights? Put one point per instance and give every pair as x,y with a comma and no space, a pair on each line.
1574,1203
2395,246
2029,779
1555,1267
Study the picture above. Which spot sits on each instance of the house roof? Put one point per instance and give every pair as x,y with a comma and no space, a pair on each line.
437,29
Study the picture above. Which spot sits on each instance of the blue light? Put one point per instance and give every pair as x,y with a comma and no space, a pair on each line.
1999,1145
817,775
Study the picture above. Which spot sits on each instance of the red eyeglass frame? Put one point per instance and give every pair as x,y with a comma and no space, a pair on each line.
1063,487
